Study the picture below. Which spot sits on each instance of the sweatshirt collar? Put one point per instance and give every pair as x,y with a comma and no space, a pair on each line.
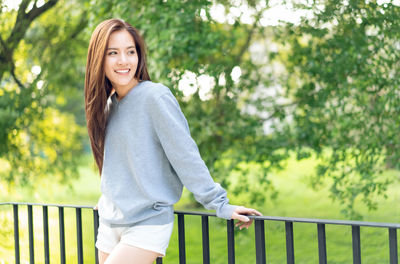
130,92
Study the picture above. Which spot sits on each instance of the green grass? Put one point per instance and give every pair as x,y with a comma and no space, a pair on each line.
295,199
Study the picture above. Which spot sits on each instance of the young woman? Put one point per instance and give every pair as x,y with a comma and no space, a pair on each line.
144,151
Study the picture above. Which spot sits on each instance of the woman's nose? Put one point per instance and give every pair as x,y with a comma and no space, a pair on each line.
122,59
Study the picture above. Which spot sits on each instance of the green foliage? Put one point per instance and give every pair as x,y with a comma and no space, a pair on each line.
41,128
342,73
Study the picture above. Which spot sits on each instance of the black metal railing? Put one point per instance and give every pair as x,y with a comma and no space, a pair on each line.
259,225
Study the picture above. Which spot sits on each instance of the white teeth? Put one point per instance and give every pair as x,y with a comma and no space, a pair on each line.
122,71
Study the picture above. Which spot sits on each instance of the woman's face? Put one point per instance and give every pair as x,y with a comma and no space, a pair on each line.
121,60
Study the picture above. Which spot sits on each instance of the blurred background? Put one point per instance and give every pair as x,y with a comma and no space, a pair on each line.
294,106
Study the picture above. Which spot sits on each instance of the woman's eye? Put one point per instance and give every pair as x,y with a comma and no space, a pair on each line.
132,52
112,53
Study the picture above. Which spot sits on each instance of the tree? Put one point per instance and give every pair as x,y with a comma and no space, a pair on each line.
342,74
37,138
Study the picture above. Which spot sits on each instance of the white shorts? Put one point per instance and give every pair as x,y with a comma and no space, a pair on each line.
150,237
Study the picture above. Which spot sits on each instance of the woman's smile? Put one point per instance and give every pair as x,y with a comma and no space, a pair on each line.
123,72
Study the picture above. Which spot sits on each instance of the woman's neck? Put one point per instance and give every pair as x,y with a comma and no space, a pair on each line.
122,91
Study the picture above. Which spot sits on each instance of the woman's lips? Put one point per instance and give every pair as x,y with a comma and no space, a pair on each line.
123,72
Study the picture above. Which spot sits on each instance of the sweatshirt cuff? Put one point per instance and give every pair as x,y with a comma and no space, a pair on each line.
226,211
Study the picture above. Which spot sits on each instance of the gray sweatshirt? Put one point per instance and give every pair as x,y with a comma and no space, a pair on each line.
149,155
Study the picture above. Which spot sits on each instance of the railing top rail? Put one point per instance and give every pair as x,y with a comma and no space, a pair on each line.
270,218
55,205
307,220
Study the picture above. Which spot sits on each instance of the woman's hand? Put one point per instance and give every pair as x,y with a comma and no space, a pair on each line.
240,214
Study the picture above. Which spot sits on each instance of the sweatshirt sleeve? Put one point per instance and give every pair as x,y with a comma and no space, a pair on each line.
181,150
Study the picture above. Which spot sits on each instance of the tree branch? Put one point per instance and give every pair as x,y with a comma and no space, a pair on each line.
21,25
276,111
24,20
250,35
8,57
19,83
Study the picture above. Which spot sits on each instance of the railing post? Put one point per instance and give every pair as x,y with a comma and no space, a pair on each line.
231,241
289,242
260,241
30,230
62,233
181,235
205,239
16,234
322,244
393,245
355,230
79,245
46,234
95,229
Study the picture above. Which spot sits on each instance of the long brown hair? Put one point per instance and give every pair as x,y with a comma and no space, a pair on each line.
97,86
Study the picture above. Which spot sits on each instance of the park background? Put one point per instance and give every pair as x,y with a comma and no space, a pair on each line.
294,106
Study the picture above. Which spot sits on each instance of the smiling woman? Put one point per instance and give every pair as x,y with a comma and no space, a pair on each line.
144,151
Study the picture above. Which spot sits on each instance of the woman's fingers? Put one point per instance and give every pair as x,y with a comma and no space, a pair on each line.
240,214
244,210
255,212
241,217
249,211
242,225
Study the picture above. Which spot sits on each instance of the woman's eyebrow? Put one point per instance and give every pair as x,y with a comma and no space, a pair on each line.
118,48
